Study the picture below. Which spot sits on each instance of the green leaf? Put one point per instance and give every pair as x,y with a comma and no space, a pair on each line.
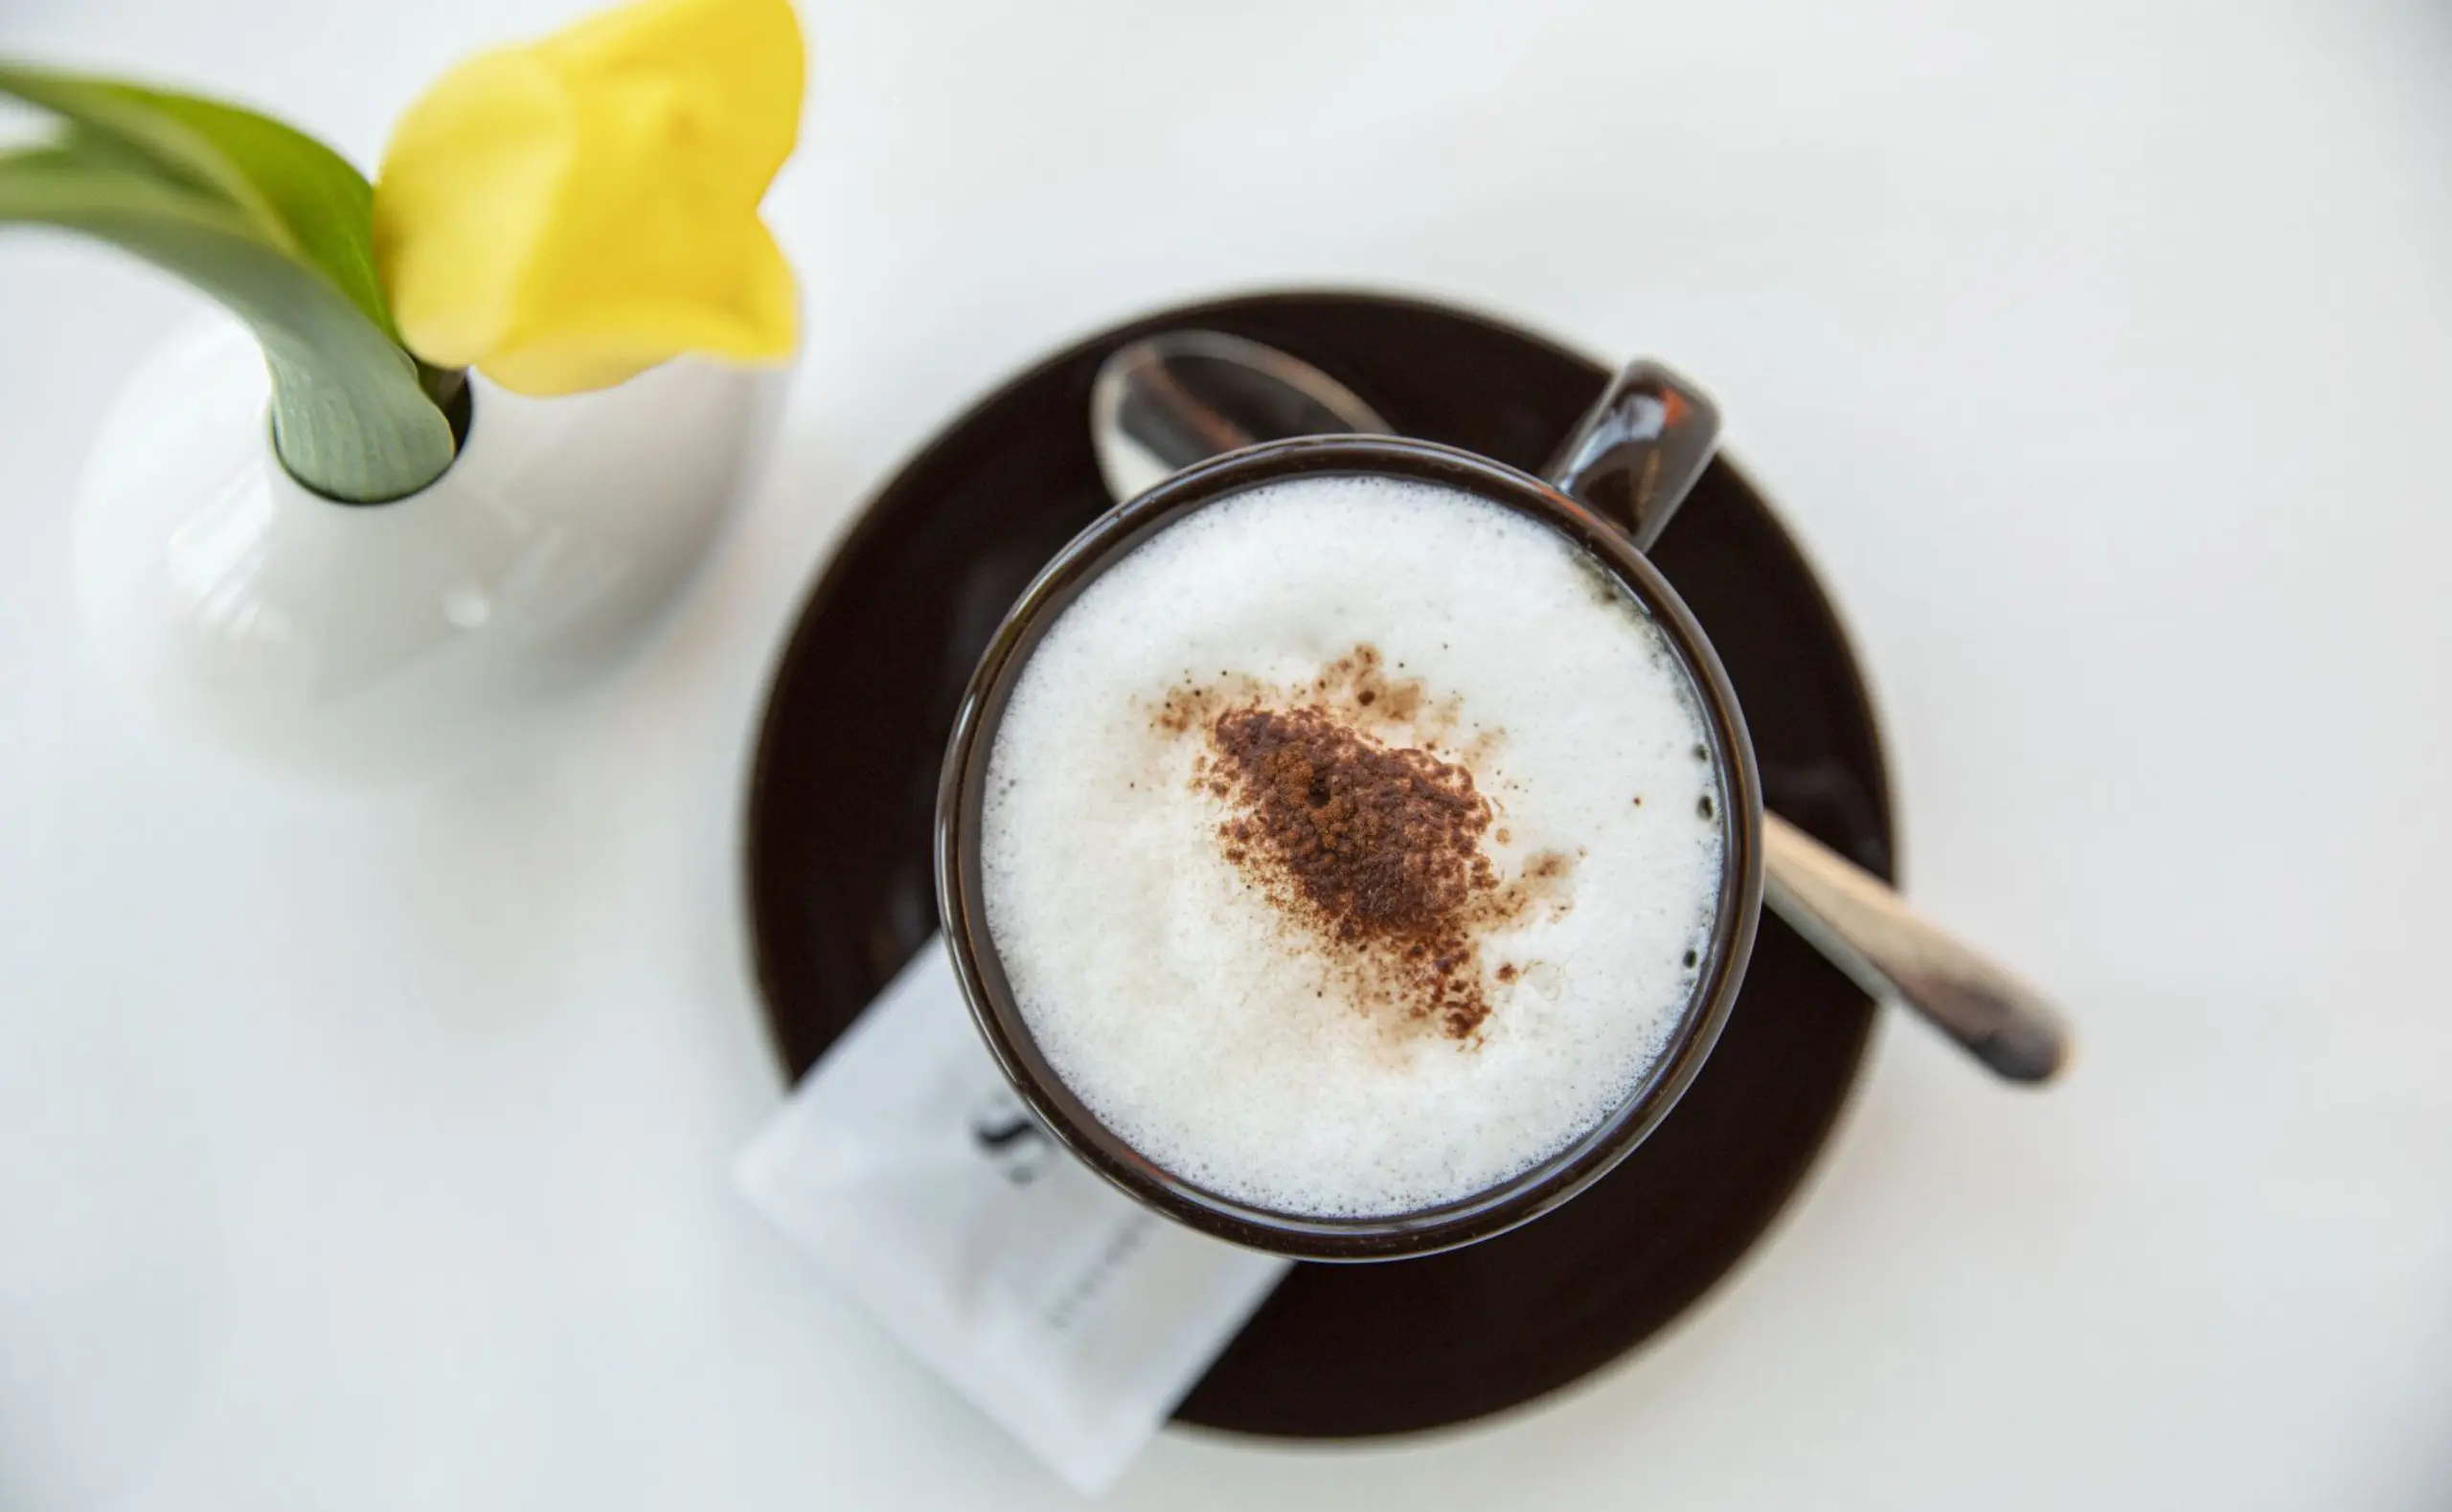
305,198
349,416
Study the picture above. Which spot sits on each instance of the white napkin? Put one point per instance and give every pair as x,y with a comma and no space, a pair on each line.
1061,1308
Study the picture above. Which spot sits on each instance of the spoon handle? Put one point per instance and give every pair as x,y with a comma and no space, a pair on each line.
1636,455
1891,951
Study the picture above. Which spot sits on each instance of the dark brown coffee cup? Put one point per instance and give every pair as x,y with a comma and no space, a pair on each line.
1633,459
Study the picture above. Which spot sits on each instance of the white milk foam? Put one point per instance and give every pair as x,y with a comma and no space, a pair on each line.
1176,999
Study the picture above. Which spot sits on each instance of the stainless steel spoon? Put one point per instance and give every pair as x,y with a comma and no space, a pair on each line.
1164,402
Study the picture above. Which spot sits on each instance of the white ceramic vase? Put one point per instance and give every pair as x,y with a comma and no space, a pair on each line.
375,643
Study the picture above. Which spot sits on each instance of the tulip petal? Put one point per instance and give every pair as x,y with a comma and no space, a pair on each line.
566,215
471,174
743,59
617,339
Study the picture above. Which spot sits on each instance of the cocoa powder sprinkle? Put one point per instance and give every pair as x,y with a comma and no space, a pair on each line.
1379,846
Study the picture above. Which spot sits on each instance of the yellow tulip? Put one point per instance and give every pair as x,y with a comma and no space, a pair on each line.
565,215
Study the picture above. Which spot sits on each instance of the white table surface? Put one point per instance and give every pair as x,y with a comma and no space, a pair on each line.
373,1153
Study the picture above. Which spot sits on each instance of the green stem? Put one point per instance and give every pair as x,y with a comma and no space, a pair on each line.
277,227
350,419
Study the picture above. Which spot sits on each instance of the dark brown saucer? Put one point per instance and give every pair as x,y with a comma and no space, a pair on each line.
841,890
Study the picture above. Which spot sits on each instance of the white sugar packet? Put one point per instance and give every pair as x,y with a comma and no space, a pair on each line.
1061,1308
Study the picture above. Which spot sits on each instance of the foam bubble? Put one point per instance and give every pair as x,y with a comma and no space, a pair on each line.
1228,1041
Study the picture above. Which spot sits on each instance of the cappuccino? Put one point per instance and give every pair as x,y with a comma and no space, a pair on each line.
1352,846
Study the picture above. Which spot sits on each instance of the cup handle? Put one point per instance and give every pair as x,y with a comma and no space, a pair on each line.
1639,450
